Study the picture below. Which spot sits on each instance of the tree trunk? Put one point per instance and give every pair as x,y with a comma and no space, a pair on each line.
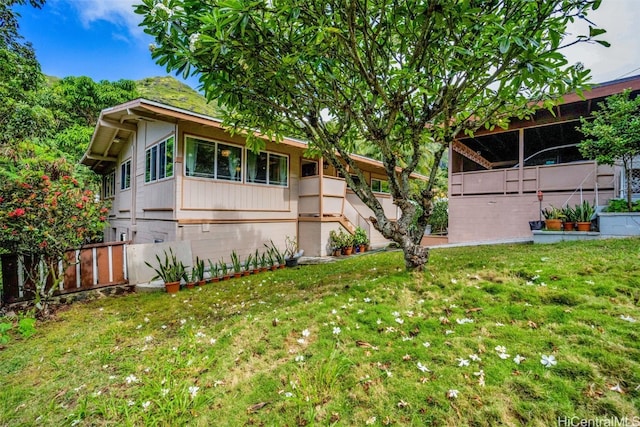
415,256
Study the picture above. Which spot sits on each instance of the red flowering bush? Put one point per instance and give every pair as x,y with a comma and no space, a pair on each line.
43,218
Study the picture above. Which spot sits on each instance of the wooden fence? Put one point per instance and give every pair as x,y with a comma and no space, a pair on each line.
93,266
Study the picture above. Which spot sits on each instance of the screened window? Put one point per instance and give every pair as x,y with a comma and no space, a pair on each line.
125,175
380,186
159,161
109,185
209,159
267,168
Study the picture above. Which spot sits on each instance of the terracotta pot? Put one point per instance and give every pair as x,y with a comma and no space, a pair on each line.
553,224
172,287
584,226
363,248
236,275
246,273
569,226
191,285
337,252
215,279
274,267
202,282
263,269
281,266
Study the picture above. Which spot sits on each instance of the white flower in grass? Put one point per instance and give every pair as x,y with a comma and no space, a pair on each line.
146,319
452,394
462,362
454,281
589,282
407,338
306,333
131,402
334,311
617,388
628,318
183,321
379,322
371,421
139,327
448,332
360,311
480,375
367,299
548,361
396,314
399,321
426,344
288,394
299,358
501,349
301,341
200,334
410,313
422,367
503,356
212,341
131,379
336,330
146,405
499,324
519,359
148,338
464,320
193,390
164,392
389,374
475,357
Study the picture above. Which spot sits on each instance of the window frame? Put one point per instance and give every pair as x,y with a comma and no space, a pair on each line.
152,167
267,171
215,145
380,186
125,171
109,185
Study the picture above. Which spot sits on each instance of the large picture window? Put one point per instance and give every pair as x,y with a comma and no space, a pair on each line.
209,159
125,175
267,168
379,186
159,160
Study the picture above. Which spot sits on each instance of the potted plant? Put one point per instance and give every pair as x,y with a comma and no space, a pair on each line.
256,262
246,266
335,244
214,271
347,242
360,239
292,252
584,215
235,264
570,218
224,269
276,254
170,271
264,261
553,218
198,267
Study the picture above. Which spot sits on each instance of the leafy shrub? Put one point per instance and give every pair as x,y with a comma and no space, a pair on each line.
439,219
620,205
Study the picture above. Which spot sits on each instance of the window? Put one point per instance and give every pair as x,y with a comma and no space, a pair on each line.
109,185
209,159
379,186
267,168
125,175
159,161
309,168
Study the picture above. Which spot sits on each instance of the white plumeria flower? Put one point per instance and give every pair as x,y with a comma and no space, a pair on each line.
452,394
148,338
336,330
288,394
301,341
475,357
426,344
334,311
499,324
193,390
395,314
628,318
212,341
200,334
501,349
464,320
617,388
548,361
422,367
454,281
448,332
306,333
299,358
367,299
183,321
164,391
131,379
379,322
399,321
503,356
518,359
146,319
462,362
146,405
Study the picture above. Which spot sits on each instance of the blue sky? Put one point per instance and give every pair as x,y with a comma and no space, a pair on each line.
101,39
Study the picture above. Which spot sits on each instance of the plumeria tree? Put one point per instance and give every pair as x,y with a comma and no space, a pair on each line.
398,75
614,135
42,217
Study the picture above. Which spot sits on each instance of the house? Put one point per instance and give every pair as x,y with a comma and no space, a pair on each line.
174,175
495,175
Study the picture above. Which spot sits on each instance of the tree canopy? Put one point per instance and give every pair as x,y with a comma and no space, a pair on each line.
614,134
396,74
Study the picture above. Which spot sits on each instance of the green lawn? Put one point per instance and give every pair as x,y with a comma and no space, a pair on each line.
355,342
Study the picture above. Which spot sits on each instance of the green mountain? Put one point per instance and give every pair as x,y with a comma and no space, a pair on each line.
170,91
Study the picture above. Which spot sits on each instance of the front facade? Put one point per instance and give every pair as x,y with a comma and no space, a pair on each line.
174,175
495,175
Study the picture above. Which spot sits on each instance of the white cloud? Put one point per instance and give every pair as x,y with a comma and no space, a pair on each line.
620,18
118,12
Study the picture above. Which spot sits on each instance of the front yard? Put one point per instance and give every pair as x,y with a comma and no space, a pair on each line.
515,335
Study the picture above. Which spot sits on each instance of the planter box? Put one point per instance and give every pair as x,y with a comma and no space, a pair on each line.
619,223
